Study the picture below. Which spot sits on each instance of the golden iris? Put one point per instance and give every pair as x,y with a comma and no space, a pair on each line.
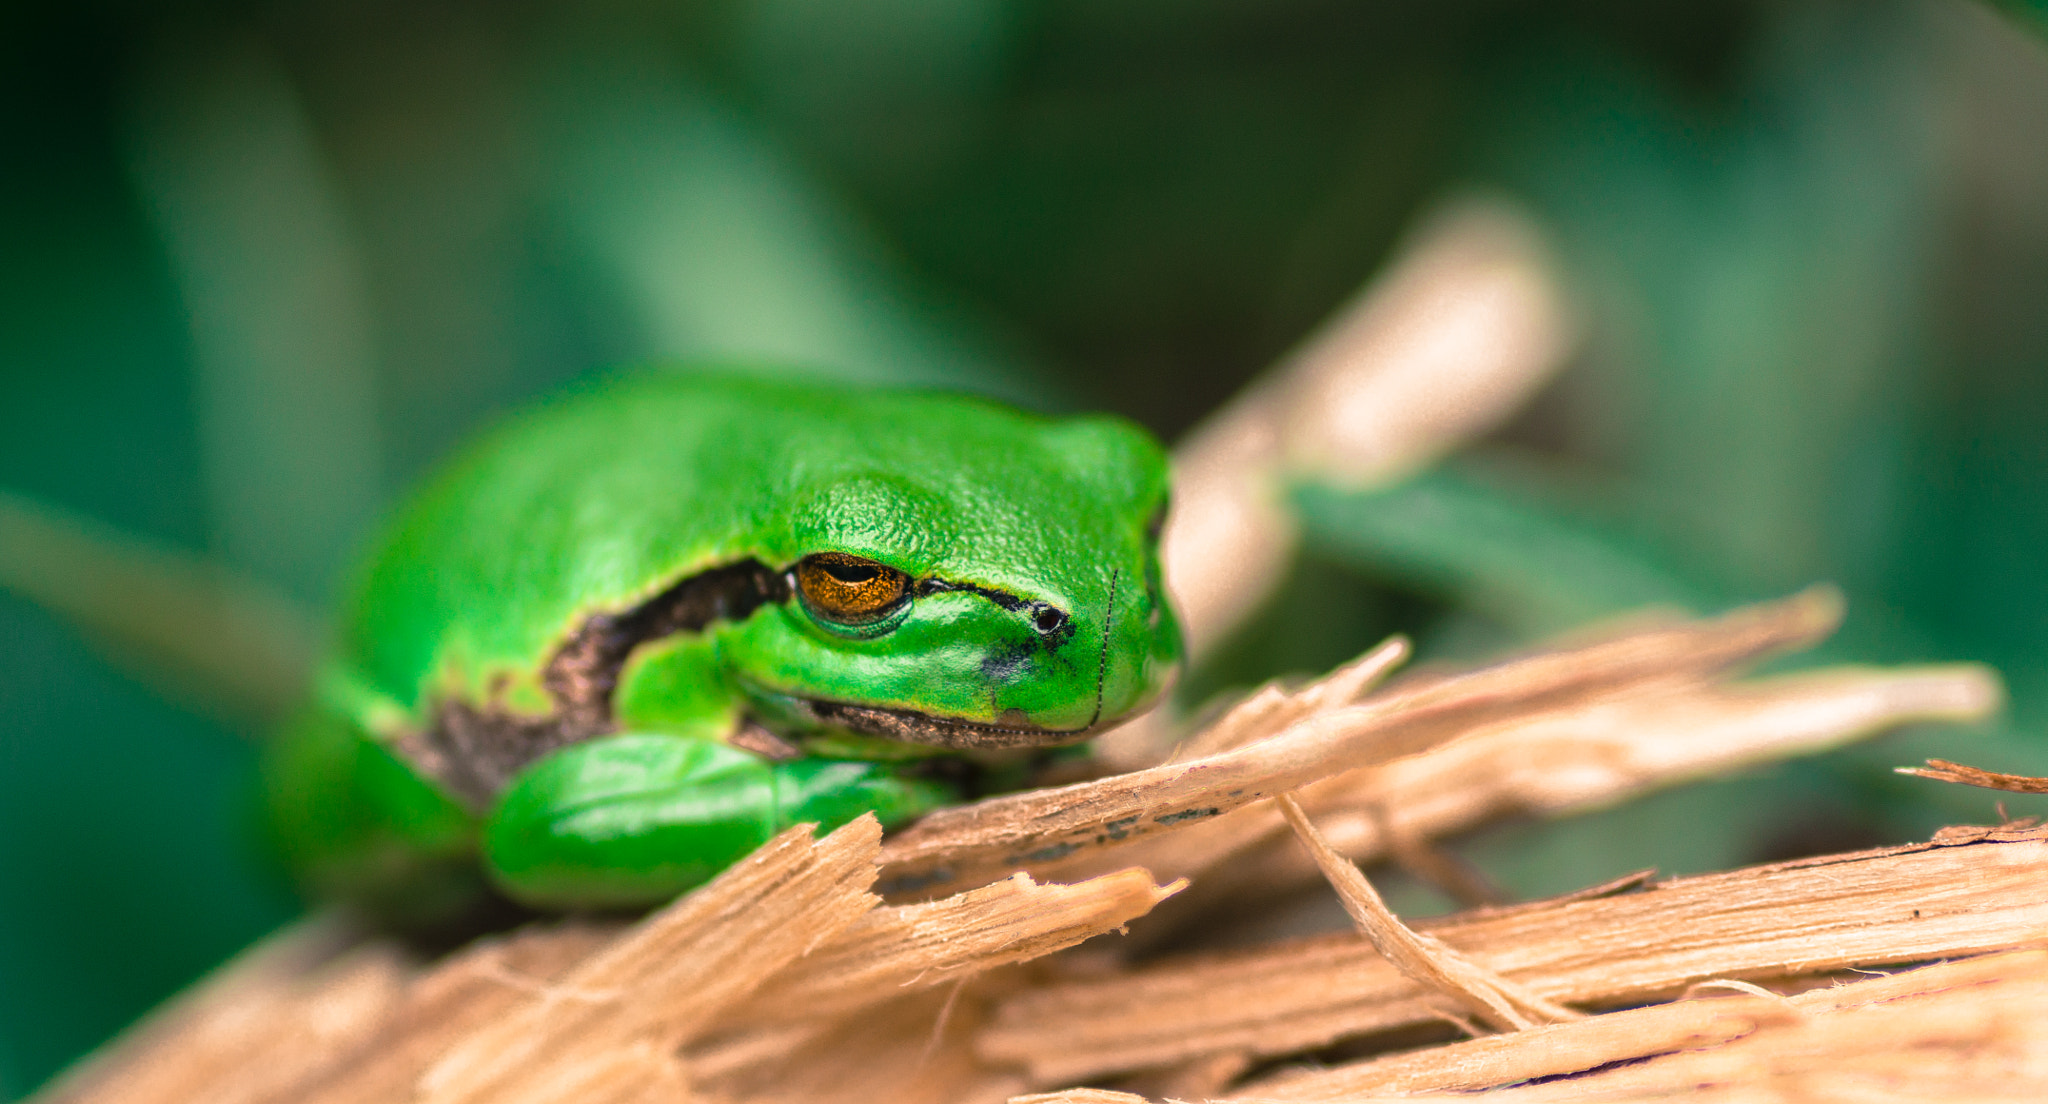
849,589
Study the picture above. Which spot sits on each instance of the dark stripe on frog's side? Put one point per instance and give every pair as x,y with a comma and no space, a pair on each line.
475,750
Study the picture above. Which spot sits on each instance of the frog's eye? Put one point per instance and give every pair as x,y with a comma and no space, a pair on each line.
848,589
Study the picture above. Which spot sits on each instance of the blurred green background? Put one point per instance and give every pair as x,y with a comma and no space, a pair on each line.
261,262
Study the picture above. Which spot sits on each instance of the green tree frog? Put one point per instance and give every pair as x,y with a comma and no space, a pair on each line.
626,638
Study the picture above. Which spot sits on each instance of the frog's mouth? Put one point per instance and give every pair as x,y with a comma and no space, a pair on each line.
931,730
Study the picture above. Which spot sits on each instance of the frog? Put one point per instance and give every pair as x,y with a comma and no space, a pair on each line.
627,636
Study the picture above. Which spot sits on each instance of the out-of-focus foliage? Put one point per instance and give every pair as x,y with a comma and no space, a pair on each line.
260,263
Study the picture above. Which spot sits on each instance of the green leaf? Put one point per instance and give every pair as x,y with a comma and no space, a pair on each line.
1498,550
2031,14
267,262
185,624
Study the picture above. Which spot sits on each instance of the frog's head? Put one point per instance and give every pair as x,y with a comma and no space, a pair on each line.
984,585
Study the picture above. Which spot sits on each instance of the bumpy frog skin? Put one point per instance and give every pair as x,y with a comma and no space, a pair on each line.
628,637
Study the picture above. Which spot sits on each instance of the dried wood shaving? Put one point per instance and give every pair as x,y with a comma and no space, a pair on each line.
1200,1079
915,1049
1926,1026
1079,1096
1553,761
1944,771
890,950
444,1005
1273,707
665,979
1422,959
1975,893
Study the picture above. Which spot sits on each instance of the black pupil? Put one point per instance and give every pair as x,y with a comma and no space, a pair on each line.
1048,620
850,573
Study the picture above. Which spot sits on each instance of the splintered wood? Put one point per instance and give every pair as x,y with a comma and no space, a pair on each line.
1942,770
793,978
1965,895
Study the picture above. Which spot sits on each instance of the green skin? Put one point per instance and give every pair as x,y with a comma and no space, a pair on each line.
582,654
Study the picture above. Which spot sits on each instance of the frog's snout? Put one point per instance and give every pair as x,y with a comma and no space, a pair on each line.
1072,673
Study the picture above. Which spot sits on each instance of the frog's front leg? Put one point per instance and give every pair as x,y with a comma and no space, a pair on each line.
635,819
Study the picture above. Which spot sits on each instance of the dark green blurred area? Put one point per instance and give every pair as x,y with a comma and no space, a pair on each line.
261,263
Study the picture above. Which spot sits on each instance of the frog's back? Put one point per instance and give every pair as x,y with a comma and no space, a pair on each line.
598,501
